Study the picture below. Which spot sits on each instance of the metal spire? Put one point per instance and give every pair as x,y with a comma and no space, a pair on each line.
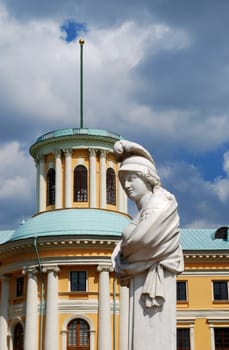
81,42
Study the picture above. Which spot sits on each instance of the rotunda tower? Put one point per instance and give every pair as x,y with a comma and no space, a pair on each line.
76,169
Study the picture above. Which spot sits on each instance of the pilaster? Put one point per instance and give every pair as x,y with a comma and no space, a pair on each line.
41,183
123,318
59,190
104,326
4,309
103,154
93,187
51,324
68,178
31,315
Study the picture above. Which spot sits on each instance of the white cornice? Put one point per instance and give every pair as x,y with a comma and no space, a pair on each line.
207,314
208,272
59,242
60,261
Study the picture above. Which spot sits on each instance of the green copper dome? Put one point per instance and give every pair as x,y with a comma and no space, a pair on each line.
89,222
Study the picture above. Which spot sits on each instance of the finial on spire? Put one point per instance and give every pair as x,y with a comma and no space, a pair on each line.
81,42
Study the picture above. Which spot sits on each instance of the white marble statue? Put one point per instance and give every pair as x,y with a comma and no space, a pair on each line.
149,255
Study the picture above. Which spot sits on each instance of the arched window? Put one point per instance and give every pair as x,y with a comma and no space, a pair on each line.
80,184
111,186
18,337
78,335
51,186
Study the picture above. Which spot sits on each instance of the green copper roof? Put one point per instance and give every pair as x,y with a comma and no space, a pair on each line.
91,222
6,236
77,131
97,222
202,239
74,138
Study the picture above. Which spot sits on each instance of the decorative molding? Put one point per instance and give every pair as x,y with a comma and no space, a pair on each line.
206,314
30,271
57,153
60,261
207,272
80,161
10,247
40,157
92,152
51,268
67,151
105,267
103,153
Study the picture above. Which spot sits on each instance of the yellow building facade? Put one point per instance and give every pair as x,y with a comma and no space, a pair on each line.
58,289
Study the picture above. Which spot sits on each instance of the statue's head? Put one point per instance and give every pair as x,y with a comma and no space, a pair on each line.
135,158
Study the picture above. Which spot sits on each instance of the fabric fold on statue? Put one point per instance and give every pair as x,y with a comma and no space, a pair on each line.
151,244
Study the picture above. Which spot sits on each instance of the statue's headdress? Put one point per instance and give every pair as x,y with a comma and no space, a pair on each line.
134,157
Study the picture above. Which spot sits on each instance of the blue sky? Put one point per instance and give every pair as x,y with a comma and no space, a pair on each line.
156,72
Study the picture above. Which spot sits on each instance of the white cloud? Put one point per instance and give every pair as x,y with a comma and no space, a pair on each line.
40,72
221,188
226,162
16,173
40,80
201,203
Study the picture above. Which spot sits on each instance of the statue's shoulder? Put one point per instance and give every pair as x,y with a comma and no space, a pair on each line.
161,200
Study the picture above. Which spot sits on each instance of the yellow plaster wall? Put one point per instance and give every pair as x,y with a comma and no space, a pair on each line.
200,292
202,338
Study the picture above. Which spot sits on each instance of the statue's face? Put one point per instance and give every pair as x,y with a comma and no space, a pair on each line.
133,185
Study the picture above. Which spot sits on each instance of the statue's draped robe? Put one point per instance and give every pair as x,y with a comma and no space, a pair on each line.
148,259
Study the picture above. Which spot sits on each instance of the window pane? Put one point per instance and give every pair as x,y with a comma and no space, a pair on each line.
18,337
220,290
82,280
51,186
83,333
72,333
78,280
111,186
183,339
80,184
19,286
78,333
181,291
221,338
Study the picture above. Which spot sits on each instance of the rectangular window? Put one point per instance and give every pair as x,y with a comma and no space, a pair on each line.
220,290
181,291
183,339
221,338
19,287
78,281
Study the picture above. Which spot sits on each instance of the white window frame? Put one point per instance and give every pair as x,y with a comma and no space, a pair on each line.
69,279
220,300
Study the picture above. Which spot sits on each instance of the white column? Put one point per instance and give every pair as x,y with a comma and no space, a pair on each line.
103,179
192,337
37,184
51,323
92,171
211,326
4,307
58,168
42,183
122,199
68,178
123,318
104,335
31,315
